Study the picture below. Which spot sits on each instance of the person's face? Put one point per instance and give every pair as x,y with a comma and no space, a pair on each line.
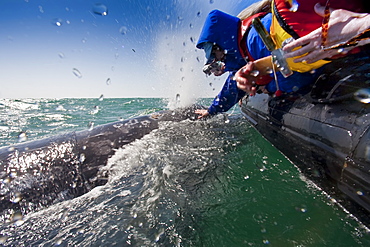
218,54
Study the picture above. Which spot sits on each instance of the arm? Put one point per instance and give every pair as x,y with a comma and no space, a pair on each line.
227,98
343,25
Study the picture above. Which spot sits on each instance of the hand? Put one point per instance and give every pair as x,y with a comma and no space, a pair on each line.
248,77
343,25
202,112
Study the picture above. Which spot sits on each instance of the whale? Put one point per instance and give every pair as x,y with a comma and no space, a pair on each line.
39,173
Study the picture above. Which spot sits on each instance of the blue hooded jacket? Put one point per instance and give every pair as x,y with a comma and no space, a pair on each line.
223,29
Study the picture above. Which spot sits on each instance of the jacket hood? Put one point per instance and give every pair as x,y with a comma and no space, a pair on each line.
223,29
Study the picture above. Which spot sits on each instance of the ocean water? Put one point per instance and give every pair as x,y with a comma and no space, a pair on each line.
190,183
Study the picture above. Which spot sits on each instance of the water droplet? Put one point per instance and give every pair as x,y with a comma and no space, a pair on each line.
265,241
226,119
269,70
177,98
123,30
61,55
295,89
16,197
191,25
363,95
108,81
199,14
246,177
17,218
101,97
254,73
41,9
294,7
211,1
77,73
82,158
210,84
360,193
59,241
3,239
133,50
91,125
60,108
57,22
95,110
341,50
192,39
100,9
22,137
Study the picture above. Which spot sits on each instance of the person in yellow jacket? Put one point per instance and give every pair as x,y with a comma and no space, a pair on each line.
346,31
293,19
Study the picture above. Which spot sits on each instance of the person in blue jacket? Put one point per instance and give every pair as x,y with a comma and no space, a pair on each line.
229,44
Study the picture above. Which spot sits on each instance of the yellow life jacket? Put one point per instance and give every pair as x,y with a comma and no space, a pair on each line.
280,32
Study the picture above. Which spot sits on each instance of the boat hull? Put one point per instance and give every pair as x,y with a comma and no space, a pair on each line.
330,142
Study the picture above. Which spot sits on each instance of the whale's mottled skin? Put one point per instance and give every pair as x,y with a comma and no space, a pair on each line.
42,172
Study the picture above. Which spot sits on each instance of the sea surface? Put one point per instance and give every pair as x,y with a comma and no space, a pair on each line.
215,182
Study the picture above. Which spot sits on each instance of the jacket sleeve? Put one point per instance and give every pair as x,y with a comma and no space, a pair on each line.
258,50
227,98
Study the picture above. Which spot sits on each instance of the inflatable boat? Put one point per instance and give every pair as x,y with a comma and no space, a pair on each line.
325,129
42,172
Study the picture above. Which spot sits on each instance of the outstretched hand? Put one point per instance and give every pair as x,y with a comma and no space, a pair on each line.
248,77
244,80
343,25
202,113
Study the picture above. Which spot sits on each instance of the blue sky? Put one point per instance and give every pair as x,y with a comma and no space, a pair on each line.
140,48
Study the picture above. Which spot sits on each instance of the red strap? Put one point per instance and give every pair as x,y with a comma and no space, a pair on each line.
245,25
